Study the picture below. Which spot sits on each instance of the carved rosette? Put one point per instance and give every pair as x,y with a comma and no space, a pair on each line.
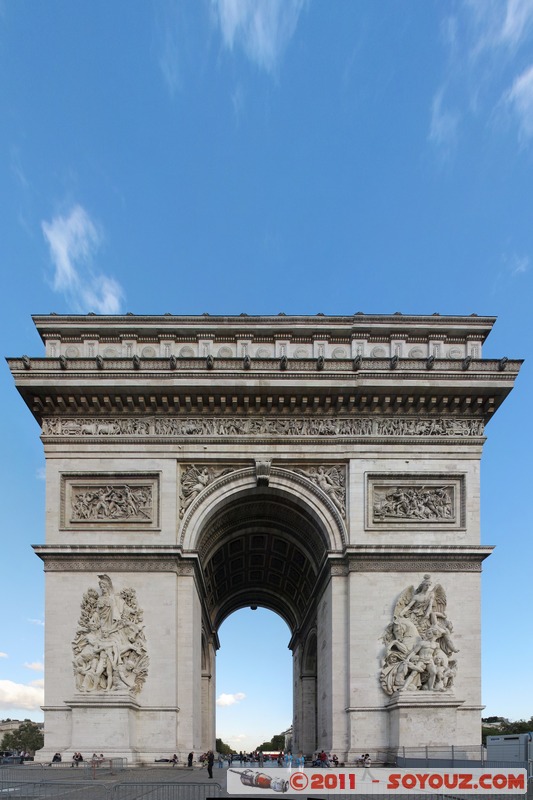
420,654
109,648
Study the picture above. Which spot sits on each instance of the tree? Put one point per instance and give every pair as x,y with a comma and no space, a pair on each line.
277,743
28,738
223,748
504,727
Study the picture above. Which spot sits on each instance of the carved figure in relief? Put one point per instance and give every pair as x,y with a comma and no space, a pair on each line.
193,481
424,503
109,647
239,426
332,482
418,643
112,503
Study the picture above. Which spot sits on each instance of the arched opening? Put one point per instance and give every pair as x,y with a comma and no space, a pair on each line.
263,548
254,678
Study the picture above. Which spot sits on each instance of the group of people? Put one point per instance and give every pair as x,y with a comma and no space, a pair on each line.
323,759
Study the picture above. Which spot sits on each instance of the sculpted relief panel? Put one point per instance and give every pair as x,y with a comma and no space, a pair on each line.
420,654
99,500
109,648
409,501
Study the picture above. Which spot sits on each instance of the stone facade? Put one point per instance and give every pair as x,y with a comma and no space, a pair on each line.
326,468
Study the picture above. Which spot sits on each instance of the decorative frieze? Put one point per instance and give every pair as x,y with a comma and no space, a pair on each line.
109,500
264,427
407,501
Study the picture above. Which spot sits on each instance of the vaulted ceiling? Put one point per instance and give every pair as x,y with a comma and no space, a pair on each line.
261,551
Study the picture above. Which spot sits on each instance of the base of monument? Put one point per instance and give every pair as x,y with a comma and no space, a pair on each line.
104,723
410,724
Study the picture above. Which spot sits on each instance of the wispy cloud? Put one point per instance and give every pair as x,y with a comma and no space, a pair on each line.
520,99
517,265
484,40
20,695
4,655
230,699
443,125
36,666
263,28
500,24
37,622
73,240
168,29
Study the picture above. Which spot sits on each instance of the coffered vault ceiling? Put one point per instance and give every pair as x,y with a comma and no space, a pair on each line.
261,551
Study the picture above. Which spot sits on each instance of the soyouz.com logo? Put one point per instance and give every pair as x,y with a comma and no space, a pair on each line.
378,781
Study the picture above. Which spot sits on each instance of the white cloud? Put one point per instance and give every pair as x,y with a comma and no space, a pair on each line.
41,474
37,666
520,98
517,265
37,622
443,125
4,655
518,19
168,35
230,699
262,28
73,240
20,695
500,24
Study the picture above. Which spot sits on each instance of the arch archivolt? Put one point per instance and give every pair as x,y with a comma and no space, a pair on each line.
283,485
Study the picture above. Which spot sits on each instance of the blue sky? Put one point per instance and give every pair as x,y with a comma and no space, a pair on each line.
279,155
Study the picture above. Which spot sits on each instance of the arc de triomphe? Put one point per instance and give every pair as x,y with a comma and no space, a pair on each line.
323,467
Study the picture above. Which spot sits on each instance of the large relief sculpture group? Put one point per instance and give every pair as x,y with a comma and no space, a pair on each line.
109,647
420,654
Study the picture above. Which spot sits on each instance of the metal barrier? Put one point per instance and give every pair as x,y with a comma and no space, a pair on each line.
165,791
104,766
50,790
94,790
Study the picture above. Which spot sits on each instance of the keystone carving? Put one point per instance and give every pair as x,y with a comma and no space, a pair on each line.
419,650
109,646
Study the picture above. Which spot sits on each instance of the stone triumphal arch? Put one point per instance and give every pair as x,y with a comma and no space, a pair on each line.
326,468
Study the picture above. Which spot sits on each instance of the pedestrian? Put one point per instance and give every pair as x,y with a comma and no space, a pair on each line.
189,759
210,762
